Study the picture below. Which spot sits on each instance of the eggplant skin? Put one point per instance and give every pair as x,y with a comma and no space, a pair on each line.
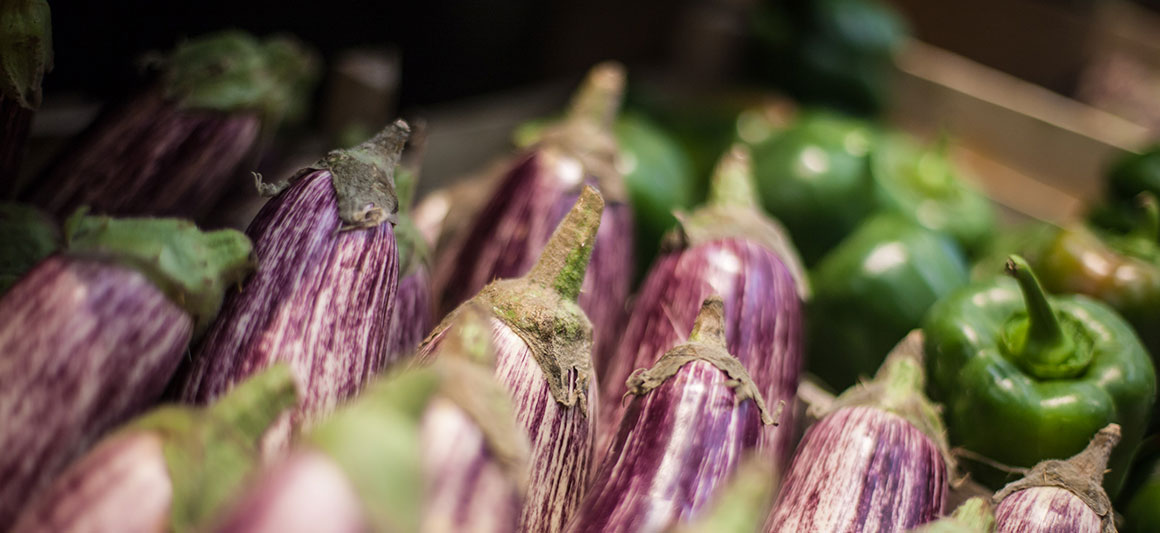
306,492
122,486
677,445
467,489
1045,510
764,328
320,302
861,469
509,233
15,121
411,318
148,156
84,345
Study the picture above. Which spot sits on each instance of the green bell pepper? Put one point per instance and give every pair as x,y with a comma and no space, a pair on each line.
1128,177
1026,377
1141,508
871,290
926,186
814,177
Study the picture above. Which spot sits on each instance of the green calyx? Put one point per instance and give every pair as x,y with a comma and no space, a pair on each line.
564,261
413,248
193,268
973,516
234,71
27,235
732,184
210,451
25,49
1043,343
363,177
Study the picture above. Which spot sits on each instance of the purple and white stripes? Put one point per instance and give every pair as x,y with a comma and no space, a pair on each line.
861,469
84,345
411,317
1045,510
763,327
320,301
677,445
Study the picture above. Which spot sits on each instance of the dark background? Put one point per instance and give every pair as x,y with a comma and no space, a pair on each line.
450,49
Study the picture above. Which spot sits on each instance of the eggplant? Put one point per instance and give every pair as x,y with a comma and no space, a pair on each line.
323,295
974,516
92,334
536,192
543,346
413,315
692,417
25,56
169,470
1062,495
878,462
742,505
727,247
434,449
174,148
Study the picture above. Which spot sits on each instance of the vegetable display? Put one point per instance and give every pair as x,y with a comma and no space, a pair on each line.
1045,372
544,349
92,334
882,446
696,412
534,195
1059,495
175,465
25,56
322,297
872,289
173,148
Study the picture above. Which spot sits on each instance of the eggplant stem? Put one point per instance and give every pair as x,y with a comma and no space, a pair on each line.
564,261
709,327
733,181
597,101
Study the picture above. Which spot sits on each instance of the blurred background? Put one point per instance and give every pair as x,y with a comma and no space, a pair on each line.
1016,83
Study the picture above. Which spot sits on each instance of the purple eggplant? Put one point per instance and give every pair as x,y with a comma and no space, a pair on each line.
174,148
434,449
1062,496
537,191
92,334
169,470
322,298
543,346
877,462
413,314
693,416
740,506
25,56
726,247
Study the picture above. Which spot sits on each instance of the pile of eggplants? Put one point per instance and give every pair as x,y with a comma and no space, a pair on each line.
479,363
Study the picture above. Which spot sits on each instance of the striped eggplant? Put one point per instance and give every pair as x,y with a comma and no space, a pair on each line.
878,462
543,346
726,247
171,469
433,449
27,236
91,335
174,147
1062,496
974,516
740,506
25,56
322,298
692,417
538,189
413,316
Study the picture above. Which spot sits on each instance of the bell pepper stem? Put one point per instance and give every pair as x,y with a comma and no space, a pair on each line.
732,184
564,260
597,101
1043,343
